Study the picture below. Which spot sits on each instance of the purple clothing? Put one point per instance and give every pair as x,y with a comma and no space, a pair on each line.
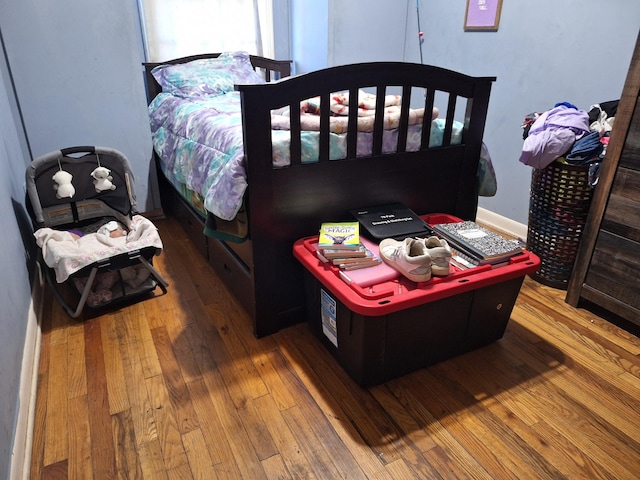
553,134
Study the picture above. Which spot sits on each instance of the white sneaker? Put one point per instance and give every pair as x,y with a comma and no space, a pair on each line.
409,257
440,253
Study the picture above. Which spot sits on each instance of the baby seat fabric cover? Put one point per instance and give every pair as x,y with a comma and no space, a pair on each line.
82,204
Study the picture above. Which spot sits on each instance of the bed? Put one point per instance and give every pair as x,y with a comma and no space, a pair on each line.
301,168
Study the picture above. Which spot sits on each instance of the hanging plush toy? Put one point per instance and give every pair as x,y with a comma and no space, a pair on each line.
62,185
102,179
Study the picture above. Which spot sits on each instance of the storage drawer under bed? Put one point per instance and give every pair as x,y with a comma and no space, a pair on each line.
233,271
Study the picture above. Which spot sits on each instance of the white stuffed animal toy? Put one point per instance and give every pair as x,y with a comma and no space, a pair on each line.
62,184
102,179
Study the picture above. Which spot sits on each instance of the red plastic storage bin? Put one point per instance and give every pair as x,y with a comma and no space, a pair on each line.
382,331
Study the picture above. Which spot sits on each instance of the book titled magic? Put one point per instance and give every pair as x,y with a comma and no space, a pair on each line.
344,235
339,244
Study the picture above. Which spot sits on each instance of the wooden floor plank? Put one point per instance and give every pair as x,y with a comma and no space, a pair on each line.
76,366
177,386
151,462
127,457
212,430
80,463
244,455
258,431
37,463
114,372
55,438
317,454
296,463
274,467
241,372
103,454
144,340
142,418
166,423
197,452
174,382
306,390
457,443
180,337
566,413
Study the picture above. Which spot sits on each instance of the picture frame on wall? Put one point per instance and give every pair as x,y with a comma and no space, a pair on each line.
482,15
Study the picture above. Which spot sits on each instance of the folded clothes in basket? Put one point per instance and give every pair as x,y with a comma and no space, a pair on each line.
67,253
586,150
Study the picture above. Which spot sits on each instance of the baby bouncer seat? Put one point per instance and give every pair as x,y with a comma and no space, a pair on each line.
82,204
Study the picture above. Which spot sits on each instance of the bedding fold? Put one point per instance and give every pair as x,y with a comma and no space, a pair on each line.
340,105
67,254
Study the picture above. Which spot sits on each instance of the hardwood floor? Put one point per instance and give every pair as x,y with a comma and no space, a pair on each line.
178,387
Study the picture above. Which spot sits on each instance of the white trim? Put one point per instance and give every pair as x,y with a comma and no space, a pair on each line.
503,224
23,440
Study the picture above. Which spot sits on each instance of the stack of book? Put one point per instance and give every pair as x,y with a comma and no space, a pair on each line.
340,245
476,245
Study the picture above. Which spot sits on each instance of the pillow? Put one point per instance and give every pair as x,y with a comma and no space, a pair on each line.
207,76
241,68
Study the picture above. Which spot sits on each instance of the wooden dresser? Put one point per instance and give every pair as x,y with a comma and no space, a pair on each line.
607,266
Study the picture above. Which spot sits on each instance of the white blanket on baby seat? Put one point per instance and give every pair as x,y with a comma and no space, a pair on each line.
66,254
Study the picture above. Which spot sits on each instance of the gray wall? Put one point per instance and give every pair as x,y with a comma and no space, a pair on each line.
309,48
544,52
323,32
78,75
14,284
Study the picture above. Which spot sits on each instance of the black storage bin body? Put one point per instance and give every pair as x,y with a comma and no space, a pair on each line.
374,349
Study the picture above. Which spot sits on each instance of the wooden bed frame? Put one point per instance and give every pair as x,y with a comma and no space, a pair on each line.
285,204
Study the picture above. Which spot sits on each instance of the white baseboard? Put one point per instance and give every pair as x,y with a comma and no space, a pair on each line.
23,440
503,224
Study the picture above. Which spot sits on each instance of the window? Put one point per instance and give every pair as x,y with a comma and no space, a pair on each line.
178,28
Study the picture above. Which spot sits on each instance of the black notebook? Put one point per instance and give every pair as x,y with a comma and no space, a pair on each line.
393,220
479,243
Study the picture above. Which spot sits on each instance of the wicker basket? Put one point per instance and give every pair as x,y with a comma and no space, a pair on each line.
558,208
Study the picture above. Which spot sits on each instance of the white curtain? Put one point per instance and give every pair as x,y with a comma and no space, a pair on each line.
177,28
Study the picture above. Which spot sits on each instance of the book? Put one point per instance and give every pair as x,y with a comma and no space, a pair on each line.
333,253
353,260
394,220
463,261
346,259
479,243
365,277
365,263
340,235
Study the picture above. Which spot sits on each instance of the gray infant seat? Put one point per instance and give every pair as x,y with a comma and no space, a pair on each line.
82,205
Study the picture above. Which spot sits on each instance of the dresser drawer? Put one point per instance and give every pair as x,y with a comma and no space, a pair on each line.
630,156
614,268
621,216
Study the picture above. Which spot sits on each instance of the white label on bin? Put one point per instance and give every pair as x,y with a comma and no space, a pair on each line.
328,314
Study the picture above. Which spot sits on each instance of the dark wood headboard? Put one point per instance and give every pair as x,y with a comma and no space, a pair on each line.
270,69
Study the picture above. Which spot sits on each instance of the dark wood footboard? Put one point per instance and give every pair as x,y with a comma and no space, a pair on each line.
289,203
